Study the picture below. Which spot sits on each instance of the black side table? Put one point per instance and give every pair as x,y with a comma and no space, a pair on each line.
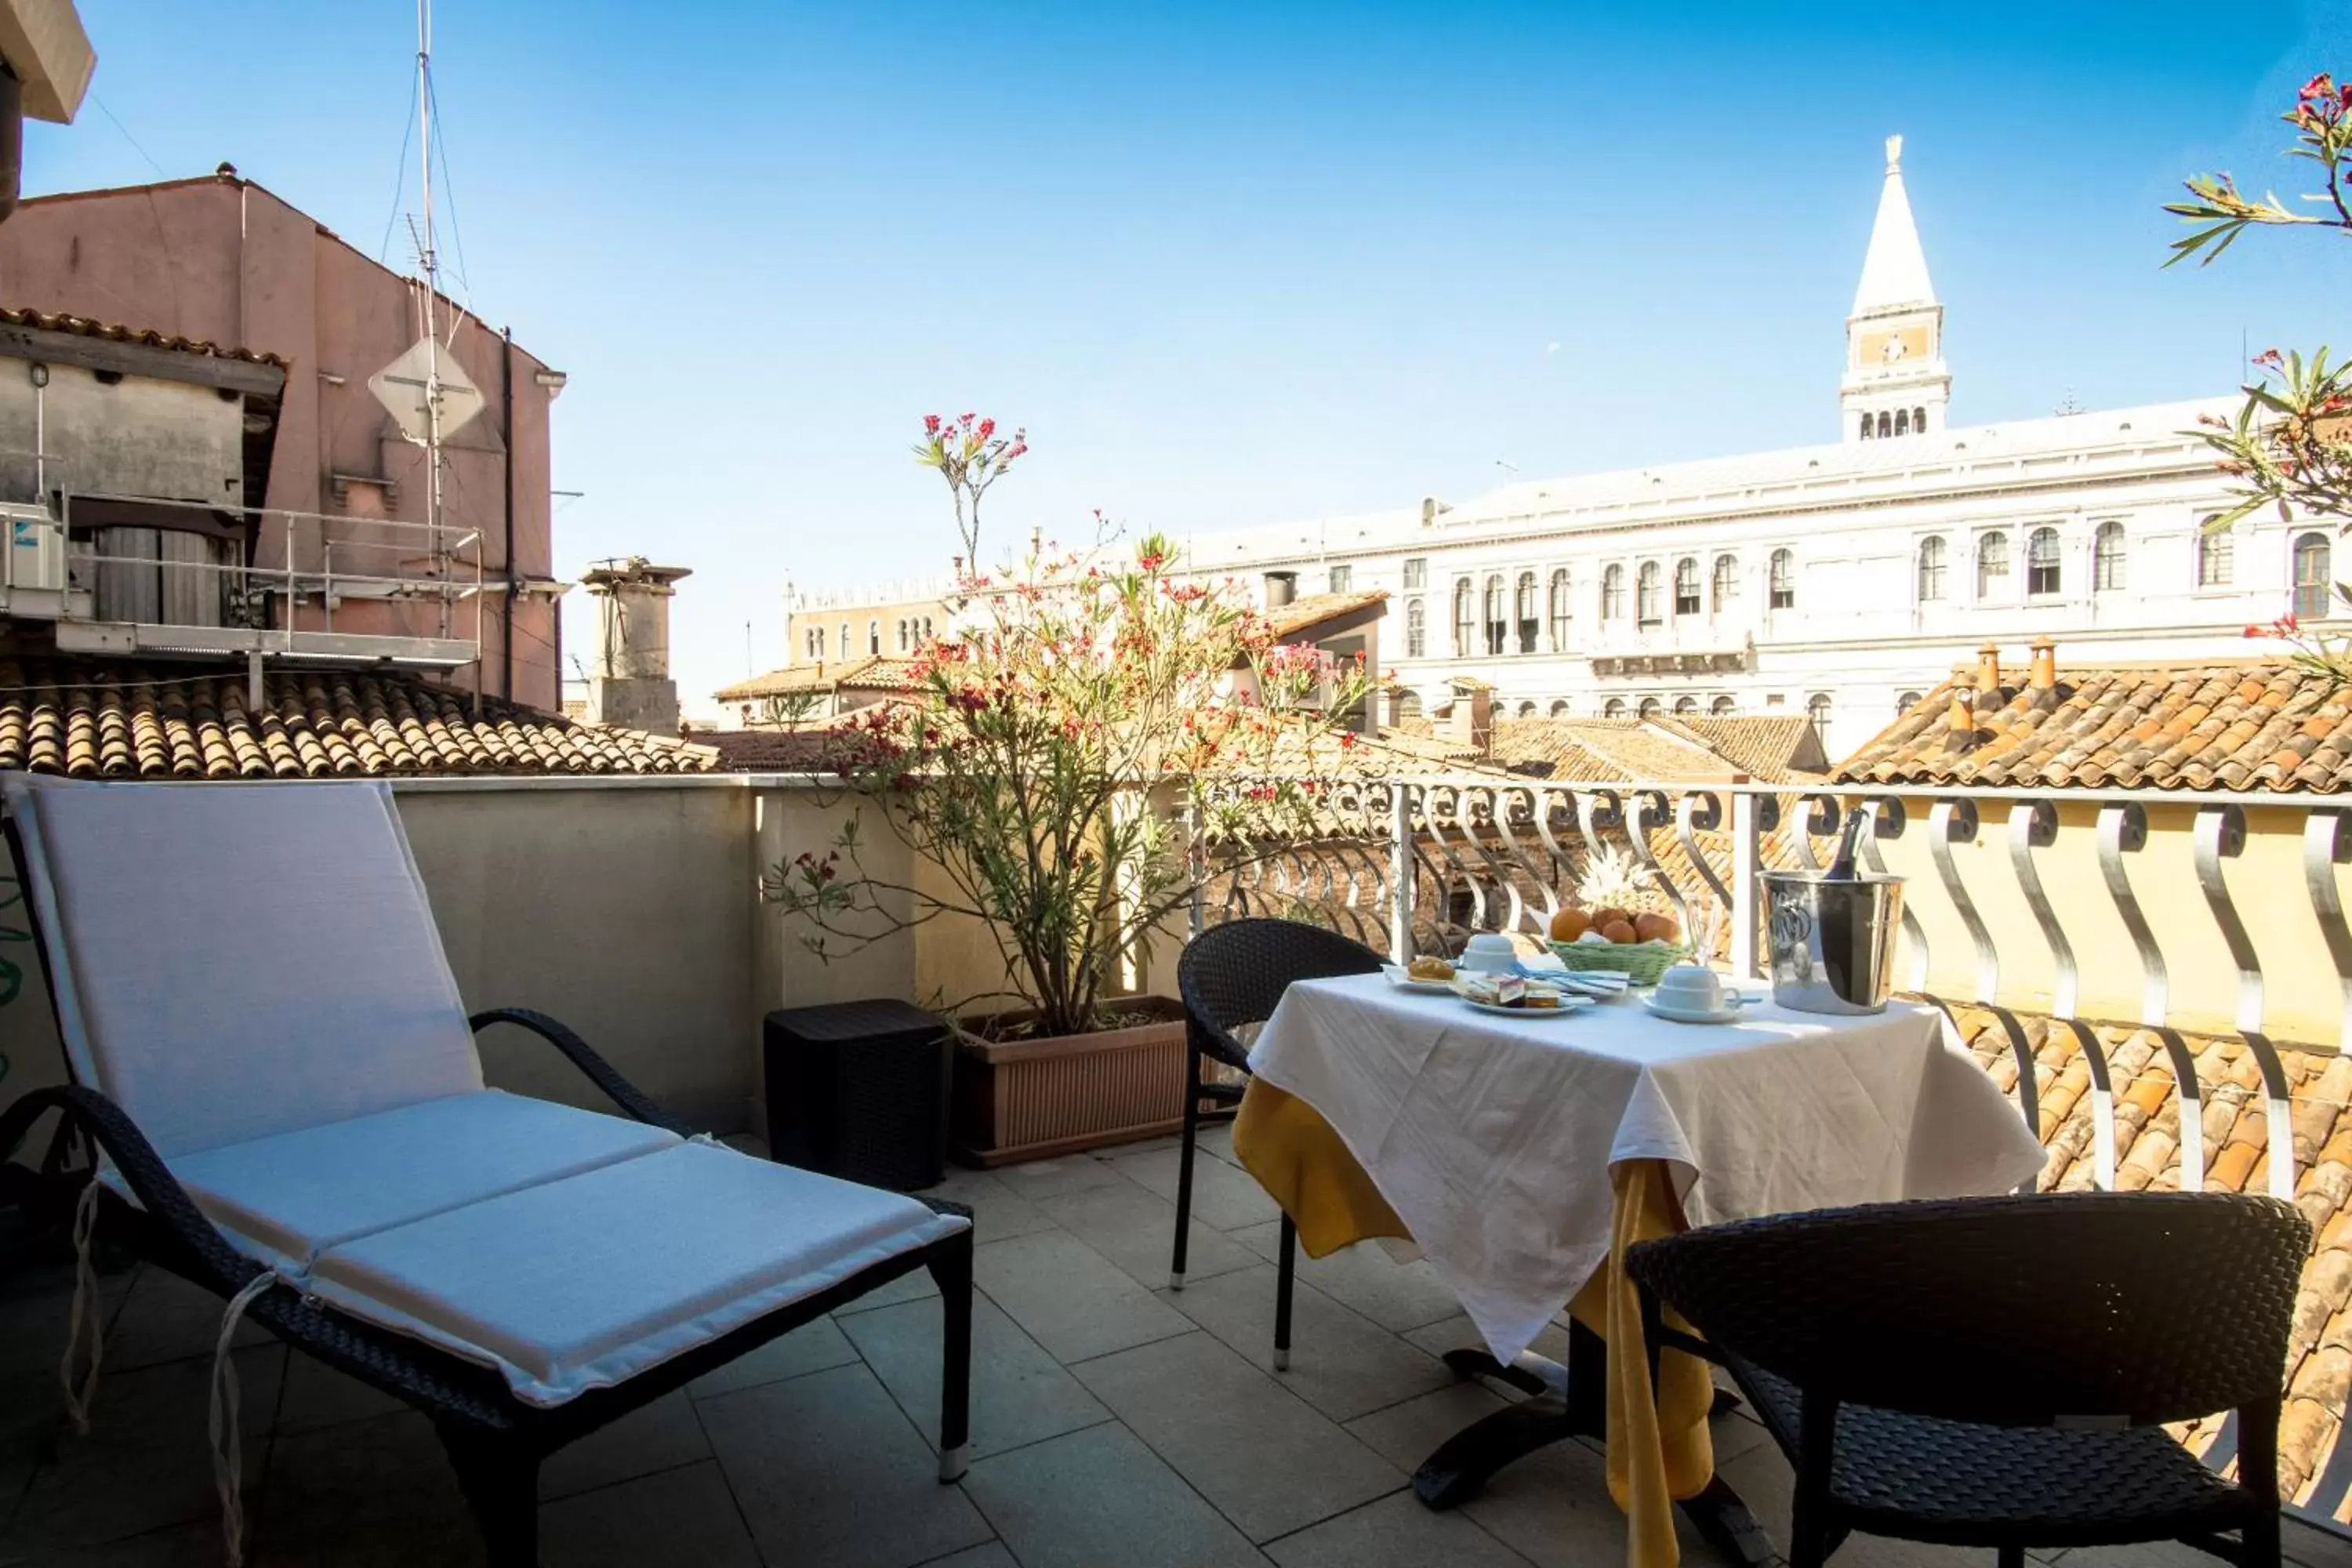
859,1091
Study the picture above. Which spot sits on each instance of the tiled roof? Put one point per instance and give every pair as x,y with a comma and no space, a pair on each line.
1773,748
1312,610
1608,749
875,672
2201,727
82,326
806,750
98,719
2235,1125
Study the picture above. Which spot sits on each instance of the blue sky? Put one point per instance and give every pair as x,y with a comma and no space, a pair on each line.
1231,264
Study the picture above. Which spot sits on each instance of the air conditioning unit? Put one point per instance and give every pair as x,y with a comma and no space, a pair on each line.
35,556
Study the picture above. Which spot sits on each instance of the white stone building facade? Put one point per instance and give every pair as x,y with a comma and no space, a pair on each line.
1841,580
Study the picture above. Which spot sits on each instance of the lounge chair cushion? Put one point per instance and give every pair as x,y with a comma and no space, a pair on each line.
288,1197
241,959
584,1282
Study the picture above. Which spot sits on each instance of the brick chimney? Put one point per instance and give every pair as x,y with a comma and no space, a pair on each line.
1281,588
1471,720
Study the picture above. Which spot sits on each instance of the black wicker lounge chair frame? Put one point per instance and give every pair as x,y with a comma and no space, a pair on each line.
495,1441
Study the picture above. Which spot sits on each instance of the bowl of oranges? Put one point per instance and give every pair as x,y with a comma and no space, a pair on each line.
1641,943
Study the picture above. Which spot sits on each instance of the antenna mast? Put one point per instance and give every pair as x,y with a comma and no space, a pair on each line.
429,260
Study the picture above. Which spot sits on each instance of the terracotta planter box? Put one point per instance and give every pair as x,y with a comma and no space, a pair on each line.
1027,1099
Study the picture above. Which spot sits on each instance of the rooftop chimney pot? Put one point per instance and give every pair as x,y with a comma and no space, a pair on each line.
1989,668
2045,664
1281,588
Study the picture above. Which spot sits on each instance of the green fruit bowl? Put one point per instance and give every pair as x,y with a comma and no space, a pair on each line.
1645,960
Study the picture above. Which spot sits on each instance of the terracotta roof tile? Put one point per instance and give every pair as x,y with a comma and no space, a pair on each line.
876,672
2253,727
1310,611
101,718
82,326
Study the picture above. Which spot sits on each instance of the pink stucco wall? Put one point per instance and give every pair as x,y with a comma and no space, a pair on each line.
222,259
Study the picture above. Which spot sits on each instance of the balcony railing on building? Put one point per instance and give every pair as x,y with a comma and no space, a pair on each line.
133,574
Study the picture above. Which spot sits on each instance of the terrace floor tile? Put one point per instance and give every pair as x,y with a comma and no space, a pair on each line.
1019,1394
1341,1363
1265,1457
1099,1497
830,1474
1070,1298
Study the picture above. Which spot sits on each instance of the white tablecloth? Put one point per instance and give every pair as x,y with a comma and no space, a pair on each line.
1492,1136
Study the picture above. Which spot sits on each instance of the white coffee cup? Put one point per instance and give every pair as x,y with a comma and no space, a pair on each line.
1489,952
1689,988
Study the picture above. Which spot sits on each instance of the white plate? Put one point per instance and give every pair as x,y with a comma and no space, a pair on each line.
1567,1005
1402,981
1727,1013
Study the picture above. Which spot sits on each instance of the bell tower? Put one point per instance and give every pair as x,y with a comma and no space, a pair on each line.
1895,380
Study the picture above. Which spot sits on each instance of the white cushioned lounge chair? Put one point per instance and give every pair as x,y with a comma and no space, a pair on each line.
280,1084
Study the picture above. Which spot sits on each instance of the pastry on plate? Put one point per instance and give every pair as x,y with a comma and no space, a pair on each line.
1430,969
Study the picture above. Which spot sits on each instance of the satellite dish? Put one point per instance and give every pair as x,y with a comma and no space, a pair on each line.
400,388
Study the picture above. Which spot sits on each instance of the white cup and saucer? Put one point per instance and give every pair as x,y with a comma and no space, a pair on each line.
1694,993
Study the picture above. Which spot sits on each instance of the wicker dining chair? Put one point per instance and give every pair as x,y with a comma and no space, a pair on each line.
1231,976
1996,1372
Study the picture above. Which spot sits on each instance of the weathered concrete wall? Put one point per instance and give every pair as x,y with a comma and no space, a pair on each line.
139,436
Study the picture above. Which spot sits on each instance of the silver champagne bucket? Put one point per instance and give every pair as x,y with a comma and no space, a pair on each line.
1832,942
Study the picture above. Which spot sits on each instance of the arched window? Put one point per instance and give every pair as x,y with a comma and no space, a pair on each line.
1919,421
2041,573
1614,708
1903,422
1559,607
1612,594
1685,704
1416,630
926,629
2311,576
1817,714
1723,708
1651,705
1559,708
1497,628
1906,703
873,636
844,644
1868,429
2216,559
1726,584
1526,711
1931,569
1992,565
2107,559
1649,594
813,643
1885,424
1781,576
1465,618
1408,705
1523,604
1686,586
903,634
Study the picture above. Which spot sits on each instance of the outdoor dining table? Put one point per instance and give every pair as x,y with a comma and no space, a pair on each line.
1523,1154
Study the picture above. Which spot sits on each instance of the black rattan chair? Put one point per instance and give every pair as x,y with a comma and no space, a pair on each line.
1231,977
1995,1371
